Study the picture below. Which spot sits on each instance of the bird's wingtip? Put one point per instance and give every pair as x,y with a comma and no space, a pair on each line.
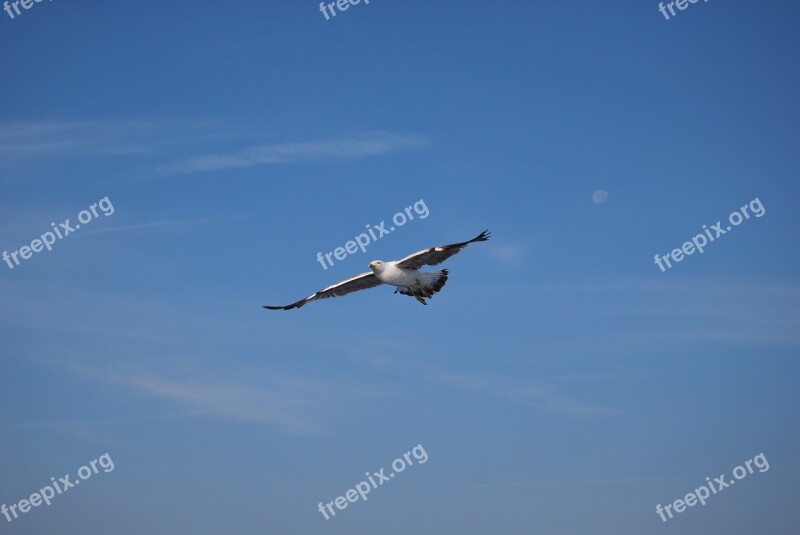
287,307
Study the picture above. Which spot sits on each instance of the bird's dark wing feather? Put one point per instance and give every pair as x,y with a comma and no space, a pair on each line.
353,284
437,255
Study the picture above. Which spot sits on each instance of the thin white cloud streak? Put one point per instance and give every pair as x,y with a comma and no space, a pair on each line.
521,390
233,402
289,404
509,255
154,224
612,375
713,311
498,386
61,425
540,483
342,148
21,140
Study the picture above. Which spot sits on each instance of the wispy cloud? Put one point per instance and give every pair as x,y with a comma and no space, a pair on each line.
522,390
678,311
514,389
181,146
351,147
504,253
20,140
548,482
66,425
612,375
290,404
165,223
240,403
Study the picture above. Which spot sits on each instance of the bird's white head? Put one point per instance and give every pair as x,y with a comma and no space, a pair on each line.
376,266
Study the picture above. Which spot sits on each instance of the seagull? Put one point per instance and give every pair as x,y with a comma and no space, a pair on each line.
404,274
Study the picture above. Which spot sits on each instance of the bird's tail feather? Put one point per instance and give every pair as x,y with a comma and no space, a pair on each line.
432,282
435,280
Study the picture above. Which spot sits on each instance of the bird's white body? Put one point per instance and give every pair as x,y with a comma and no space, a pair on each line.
389,273
409,281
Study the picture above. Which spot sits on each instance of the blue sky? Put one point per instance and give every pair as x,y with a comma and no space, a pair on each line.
560,383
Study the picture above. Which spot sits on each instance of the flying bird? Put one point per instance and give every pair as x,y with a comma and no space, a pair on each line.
404,274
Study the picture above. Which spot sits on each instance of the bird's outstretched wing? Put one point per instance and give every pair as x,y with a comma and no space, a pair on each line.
353,284
437,255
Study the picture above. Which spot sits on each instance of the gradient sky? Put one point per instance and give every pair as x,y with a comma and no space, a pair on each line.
560,383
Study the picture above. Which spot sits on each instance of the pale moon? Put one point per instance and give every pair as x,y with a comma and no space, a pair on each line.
600,196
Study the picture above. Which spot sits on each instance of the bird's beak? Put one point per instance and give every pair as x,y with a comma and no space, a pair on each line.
372,265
